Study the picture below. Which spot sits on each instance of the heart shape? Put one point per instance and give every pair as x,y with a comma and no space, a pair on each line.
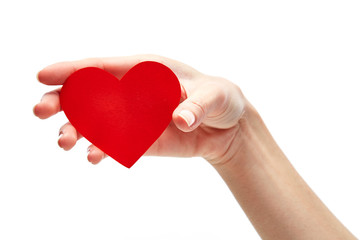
122,117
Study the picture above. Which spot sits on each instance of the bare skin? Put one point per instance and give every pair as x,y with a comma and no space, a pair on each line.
215,121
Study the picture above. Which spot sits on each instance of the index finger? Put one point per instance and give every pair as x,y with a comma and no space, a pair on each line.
57,73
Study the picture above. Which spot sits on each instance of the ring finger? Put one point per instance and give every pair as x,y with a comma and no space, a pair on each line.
68,136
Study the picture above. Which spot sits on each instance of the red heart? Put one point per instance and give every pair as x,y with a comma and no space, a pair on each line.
121,117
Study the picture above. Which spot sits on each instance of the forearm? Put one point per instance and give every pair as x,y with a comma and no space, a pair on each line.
275,198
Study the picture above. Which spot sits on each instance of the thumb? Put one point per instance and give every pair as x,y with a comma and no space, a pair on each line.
207,101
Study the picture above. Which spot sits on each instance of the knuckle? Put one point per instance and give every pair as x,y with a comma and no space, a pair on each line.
94,62
201,107
152,57
66,125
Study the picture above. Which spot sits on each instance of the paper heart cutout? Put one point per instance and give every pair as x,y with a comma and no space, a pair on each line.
121,117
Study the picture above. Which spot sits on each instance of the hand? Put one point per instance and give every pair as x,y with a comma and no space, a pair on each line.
215,121
204,124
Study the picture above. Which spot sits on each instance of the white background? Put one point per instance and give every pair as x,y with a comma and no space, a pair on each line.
296,61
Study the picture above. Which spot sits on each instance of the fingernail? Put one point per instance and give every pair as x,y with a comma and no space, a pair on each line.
58,141
188,117
88,153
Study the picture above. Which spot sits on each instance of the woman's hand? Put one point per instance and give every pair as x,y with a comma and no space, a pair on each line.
216,122
204,124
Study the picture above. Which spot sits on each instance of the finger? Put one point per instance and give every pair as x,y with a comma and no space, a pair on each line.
57,73
48,105
206,102
68,136
95,155
158,148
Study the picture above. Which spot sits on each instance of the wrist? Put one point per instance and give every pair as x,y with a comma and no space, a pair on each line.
252,144
269,190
